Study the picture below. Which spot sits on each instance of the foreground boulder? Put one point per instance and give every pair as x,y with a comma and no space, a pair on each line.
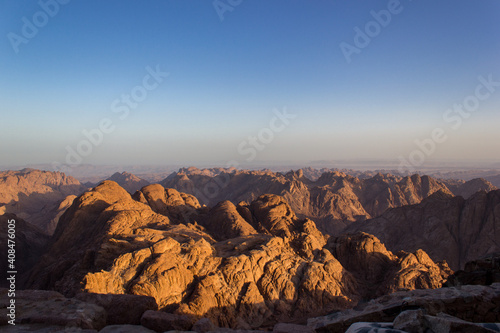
52,308
125,329
418,321
291,328
203,325
121,309
41,328
163,321
478,304
483,271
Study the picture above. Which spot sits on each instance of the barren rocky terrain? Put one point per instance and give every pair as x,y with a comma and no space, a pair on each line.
243,266
333,199
253,256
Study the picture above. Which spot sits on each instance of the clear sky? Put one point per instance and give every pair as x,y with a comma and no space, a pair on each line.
357,79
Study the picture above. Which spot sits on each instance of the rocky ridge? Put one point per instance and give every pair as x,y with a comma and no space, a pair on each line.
246,266
333,201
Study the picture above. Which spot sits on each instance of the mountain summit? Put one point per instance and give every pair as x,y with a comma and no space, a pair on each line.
128,181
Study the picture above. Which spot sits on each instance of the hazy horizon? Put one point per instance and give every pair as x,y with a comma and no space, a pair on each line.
284,82
354,165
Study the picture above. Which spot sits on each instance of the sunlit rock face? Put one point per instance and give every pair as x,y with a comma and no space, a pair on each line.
243,266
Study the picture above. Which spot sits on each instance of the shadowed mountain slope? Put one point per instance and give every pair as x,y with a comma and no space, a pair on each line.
444,226
21,245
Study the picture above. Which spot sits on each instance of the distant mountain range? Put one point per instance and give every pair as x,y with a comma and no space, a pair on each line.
333,199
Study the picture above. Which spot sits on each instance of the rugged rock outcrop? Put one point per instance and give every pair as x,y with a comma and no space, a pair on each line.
131,183
168,202
86,229
477,304
37,196
417,321
49,308
224,221
483,271
446,227
380,272
58,212
333,200
271,267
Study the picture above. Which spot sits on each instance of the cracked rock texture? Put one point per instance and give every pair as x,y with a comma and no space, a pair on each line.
242,266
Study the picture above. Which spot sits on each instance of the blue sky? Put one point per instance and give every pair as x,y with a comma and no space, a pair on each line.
227,76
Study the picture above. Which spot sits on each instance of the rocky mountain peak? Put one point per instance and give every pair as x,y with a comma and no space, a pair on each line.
466,189
130,182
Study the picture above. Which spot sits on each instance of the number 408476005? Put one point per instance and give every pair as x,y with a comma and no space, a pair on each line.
11,243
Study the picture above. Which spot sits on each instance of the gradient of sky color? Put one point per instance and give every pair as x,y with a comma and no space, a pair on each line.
226,77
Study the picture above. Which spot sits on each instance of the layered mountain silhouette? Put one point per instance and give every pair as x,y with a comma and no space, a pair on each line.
333,200
244,266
